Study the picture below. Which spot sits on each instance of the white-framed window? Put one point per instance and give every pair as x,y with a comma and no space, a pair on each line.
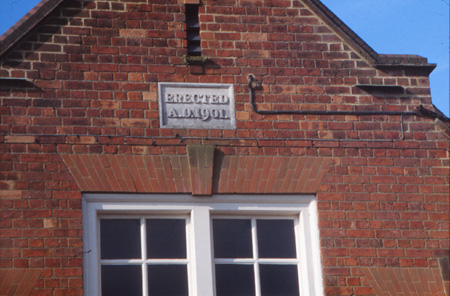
223,245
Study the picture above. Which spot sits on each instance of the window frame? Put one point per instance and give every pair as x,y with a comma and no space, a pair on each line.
144,261
201,211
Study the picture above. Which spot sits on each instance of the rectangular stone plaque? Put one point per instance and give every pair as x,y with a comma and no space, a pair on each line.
196,105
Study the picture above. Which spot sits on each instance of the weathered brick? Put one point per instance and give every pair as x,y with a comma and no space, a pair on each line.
80,140
129,122
20,139
10,194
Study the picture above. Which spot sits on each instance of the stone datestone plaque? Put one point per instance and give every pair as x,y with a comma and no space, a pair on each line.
196,105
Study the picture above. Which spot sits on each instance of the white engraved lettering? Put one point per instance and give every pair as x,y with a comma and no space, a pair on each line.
190,105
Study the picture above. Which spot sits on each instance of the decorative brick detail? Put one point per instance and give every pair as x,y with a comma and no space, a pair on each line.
130,173
181,174
405,281
269,174
18,282
201,163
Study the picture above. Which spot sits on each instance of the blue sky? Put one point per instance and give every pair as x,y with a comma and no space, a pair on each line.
389,26
404,27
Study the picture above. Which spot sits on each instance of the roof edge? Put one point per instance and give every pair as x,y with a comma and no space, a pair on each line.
26,24
403,60
343,30
367,52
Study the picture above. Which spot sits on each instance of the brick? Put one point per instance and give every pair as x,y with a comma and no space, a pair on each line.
20,139
49,84
306,89
10,194
80,140
134,105
150,96
129,122
133,33
50,223
254,37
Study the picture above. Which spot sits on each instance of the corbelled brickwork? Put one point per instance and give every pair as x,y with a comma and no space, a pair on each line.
79,113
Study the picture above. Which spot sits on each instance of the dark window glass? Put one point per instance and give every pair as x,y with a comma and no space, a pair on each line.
276,238
120,239
235,280
279,280
232,238
165,280
120,280
166,238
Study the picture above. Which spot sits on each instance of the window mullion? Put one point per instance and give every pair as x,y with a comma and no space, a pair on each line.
302,255
144,257
256,258
202,267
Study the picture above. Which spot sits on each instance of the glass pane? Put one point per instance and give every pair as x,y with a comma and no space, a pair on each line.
279,280
167,280
235,280
120,238
232,238
166,238
121,280
276,238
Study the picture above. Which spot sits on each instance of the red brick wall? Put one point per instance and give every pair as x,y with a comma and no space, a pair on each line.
93,67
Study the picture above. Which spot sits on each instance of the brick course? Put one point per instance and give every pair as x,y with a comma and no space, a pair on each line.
88,112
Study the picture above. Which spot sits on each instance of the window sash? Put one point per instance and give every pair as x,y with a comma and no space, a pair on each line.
145,262
200,262
256,261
